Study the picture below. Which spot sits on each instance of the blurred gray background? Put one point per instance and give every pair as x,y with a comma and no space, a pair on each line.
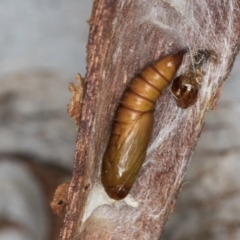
42,48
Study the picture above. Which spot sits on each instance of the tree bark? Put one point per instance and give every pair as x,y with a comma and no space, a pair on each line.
125,36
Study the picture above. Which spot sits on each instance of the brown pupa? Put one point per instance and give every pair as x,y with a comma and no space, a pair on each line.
133,125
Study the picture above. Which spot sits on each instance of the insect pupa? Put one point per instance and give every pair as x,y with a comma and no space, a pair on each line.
185,88
133,125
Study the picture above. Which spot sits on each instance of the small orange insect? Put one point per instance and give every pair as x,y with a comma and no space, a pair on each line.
133,125
185,88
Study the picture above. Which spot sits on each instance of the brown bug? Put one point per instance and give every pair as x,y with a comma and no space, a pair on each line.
133,125
185,88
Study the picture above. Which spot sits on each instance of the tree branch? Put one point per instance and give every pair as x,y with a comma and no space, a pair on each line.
125,36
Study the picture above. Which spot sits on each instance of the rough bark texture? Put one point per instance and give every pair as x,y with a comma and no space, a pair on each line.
125,36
